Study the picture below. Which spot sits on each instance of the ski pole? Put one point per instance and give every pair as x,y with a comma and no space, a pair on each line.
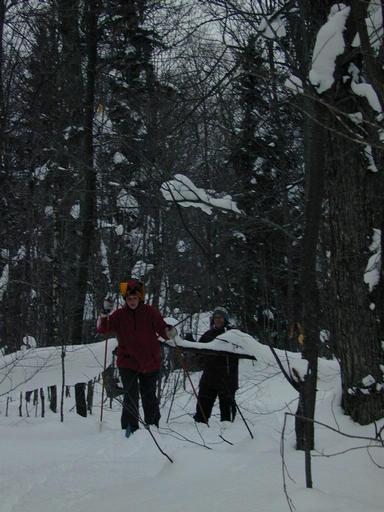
244,420
185,368
103,385
173,395
104,368
239,411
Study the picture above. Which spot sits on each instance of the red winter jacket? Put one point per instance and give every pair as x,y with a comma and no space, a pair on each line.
137,332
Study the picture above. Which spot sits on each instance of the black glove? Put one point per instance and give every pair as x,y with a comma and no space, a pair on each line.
171,332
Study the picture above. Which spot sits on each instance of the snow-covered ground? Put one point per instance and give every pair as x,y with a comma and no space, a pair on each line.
81,466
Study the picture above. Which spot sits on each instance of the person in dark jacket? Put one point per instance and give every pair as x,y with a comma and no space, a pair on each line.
137,327
220,375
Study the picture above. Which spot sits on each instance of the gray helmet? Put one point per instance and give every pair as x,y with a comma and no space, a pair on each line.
220,311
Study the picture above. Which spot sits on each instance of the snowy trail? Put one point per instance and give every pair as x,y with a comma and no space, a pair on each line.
68,470
48,466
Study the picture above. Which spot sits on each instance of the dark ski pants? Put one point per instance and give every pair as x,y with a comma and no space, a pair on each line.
133,382
208,392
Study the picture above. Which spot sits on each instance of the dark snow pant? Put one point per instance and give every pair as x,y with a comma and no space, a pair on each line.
208,392
133,382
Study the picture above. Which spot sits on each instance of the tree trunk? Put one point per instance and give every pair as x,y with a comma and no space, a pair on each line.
90,393
2,107
88,202
81,402
355,327
314,165
42,400
53,398
355,212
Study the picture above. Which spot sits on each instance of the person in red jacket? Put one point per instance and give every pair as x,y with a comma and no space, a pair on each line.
137,327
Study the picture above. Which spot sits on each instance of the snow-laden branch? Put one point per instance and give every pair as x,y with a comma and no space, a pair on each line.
242,344
368,92
294,84
233,341
272,27
41,367
329,45
182,191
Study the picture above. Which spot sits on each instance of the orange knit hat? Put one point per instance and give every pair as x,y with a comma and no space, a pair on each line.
132,287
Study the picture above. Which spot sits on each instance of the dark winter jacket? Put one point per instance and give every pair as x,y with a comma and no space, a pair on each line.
137,332
222,371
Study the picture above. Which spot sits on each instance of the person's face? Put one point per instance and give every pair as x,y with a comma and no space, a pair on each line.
218,321
132,301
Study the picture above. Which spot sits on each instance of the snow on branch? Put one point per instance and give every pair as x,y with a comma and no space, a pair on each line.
294,84
233,341
329,45
368,92
371,161
272,27
373,269
36,368
182,191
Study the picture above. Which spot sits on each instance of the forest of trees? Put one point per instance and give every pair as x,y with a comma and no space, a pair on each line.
103,101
